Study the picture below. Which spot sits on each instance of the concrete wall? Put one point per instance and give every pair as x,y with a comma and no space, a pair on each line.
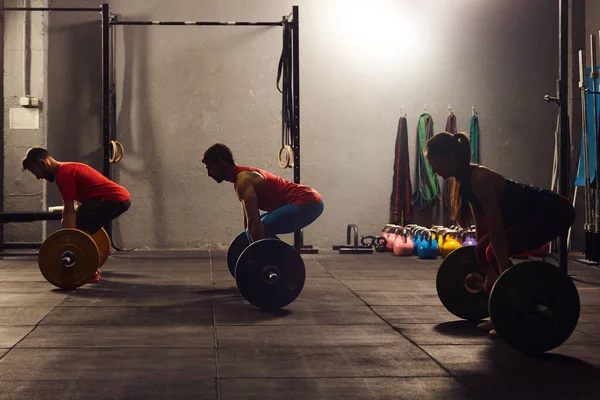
592,19
180,89
75,89
22,192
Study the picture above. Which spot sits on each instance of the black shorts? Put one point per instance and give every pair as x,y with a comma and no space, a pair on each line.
95,213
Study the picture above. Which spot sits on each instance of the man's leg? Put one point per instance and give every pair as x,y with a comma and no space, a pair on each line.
93,215
290,218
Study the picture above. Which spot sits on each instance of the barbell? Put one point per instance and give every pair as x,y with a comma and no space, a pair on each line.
534,306
269,273
69,258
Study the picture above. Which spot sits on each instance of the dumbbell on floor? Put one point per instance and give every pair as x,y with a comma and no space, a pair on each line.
69,258
534,306
269,273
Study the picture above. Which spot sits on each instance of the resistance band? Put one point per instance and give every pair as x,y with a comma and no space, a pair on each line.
284,76
474,138
450,127
428,187
592,134
400,207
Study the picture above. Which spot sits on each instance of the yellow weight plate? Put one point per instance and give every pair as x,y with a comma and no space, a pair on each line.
103,242
68,258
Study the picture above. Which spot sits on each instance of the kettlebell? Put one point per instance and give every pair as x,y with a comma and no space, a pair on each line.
403,245
428,248
468,239
450,243
441,238
391,238
385,230
417,240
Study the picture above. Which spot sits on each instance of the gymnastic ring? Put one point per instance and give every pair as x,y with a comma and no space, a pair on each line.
121,153
113,154
288,156
116,158
290,150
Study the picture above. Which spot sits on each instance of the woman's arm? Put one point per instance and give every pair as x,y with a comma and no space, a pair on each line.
481,227
485,190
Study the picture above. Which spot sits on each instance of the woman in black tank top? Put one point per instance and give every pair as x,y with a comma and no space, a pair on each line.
510,217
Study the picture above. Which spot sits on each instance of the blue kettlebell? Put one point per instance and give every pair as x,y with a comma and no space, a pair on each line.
417,240
428,248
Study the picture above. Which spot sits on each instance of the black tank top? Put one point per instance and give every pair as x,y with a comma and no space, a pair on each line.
518,201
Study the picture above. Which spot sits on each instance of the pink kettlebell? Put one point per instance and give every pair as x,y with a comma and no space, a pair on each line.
391,238
404,244
385,231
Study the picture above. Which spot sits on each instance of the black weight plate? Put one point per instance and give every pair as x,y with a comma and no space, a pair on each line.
237,246
252,270
451,289
513,308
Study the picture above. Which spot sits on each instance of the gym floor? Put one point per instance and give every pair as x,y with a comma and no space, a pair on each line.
171,325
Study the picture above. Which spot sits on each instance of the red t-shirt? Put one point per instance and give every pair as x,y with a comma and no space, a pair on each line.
278,192
80,182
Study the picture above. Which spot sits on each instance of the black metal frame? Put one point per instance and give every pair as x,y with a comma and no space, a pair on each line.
564,137
112,20
72,9
109,134
195,23
298,236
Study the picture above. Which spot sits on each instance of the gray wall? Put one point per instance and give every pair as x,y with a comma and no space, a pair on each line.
180,89
21,191
592,19
74,77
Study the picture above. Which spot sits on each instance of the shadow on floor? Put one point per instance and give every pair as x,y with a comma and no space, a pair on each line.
463,329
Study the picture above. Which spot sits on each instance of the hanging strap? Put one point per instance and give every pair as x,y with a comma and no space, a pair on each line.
451,127
284,85
451,123
400,207
474,139
428,187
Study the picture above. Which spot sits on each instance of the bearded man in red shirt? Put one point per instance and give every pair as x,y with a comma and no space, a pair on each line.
100,199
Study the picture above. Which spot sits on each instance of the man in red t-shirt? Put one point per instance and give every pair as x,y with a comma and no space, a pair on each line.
100,199
289,206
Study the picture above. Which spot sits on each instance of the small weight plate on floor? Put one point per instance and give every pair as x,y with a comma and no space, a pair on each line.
534,306
237,246
453,288
103,242
356,250
270,274
68,258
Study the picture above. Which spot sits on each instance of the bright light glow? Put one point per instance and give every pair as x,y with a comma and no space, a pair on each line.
382,31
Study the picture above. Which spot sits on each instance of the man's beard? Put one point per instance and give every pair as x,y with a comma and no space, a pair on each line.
49,176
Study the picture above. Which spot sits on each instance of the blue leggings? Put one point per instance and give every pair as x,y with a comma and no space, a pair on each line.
289,218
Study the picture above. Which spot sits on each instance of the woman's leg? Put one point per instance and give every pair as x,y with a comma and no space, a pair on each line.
551,222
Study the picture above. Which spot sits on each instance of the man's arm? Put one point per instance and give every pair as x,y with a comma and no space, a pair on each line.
247,195
69,216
